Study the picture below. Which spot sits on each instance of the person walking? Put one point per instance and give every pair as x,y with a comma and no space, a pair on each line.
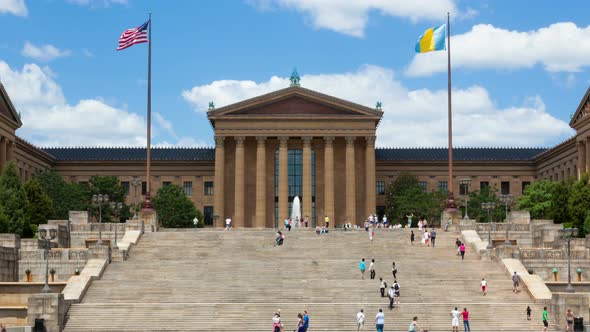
545,319
458,244
462,251
414,327
412,237
276,320
327,222
305,320
410,216
380,320
300,323
484,283
382,286
360,320
391,295
465,315
528,312
396,293
432,237
394,270
362,268
227,224
455,319
515,282
372,269
569,321
426,238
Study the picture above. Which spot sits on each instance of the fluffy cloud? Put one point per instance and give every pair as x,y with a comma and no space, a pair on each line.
412,117
14,7
165,124
49,120
350,17
43,53
560,47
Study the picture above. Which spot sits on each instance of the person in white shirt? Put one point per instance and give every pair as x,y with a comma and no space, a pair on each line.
372,269
227,224
384,221
360,320
455,321
484,284
391,295
380,320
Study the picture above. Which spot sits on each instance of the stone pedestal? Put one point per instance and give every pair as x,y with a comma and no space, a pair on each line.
100,252
79,217
150,219
578,302
450,214
50,307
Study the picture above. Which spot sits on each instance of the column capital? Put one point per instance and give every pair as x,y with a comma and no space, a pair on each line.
370,140
350,140
219,140
283,140
329,139
240,140
260,139
306,140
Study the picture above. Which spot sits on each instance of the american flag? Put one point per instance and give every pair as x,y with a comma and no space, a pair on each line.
133,36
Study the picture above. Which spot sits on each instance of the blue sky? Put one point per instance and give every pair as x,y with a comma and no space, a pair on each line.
520,67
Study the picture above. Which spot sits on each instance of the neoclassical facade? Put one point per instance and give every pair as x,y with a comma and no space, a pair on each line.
296,142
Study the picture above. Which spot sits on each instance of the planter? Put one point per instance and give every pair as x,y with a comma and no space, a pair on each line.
29,275
52,273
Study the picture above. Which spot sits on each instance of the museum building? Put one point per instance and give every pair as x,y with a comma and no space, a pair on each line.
296,142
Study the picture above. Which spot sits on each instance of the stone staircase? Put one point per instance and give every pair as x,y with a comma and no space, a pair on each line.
211,280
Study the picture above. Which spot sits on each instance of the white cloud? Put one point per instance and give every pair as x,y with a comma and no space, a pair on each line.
184,142
43,53
49,120
14,7
97,3
350,17
412,117
165,124
560,47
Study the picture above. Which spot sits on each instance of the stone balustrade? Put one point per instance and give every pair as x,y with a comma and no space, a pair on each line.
63,260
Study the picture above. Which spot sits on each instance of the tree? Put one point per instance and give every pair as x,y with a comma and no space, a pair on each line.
174,208
64,196
405,195
40,205
111,186
486,194
559,211
4,222
13,200
538,199
579,203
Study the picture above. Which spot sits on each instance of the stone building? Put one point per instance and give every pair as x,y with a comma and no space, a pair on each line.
298,142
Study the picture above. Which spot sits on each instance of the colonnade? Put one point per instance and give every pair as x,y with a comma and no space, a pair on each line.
583,156
260,218
7,148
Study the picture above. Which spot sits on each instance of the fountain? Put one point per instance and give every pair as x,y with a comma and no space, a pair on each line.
296,212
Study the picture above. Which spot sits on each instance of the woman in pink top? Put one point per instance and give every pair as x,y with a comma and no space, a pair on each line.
462,250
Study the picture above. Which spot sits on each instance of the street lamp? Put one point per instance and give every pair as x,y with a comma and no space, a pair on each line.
135,182
215,217
507,200
466,183
488,206
100,200
568,234
43,236
116,208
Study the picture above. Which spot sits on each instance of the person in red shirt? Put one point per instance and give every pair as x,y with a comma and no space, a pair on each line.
465,315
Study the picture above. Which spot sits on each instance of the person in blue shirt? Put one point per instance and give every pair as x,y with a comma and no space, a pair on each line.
362,267
305,321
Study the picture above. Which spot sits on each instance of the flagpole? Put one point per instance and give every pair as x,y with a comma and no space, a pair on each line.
148,202
451,200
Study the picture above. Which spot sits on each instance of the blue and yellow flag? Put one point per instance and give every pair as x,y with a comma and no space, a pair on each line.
433,39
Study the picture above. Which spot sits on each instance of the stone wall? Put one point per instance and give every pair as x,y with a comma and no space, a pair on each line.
78,217
8,264
63,261
578,302
49,307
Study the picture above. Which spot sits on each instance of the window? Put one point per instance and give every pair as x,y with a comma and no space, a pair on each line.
143,187
125,185
166,183
483,184
380,187
188,188
443,186
463,189
505,188
524,185
208,188
423,185
207,212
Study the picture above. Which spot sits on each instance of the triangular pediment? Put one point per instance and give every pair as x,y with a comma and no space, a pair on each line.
582,112
7,110
294,101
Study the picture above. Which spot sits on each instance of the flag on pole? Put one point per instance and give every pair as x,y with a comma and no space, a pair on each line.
133,36
433,39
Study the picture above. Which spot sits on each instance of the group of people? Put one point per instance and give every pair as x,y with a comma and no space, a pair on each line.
302,322
289,223
380,322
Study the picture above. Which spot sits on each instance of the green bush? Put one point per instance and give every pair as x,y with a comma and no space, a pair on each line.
174,209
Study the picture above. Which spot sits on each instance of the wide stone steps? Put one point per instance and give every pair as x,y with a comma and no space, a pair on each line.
234,281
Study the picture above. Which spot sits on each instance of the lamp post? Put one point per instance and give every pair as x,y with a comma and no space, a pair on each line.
100,200
116,208
507,200
568,234
215,217
488,206
466,183
135,182
43,235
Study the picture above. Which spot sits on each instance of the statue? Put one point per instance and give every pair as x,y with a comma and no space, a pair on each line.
295,78
378,105
211,105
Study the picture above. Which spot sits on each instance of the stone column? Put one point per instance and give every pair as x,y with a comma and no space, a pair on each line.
218,185
581,159
307,192
350,181
3,147
370,182
261,182
10,151
588,154
283,179
329,178
239,183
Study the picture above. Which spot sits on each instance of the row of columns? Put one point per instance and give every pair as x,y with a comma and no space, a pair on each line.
583,156
7,148
283,185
